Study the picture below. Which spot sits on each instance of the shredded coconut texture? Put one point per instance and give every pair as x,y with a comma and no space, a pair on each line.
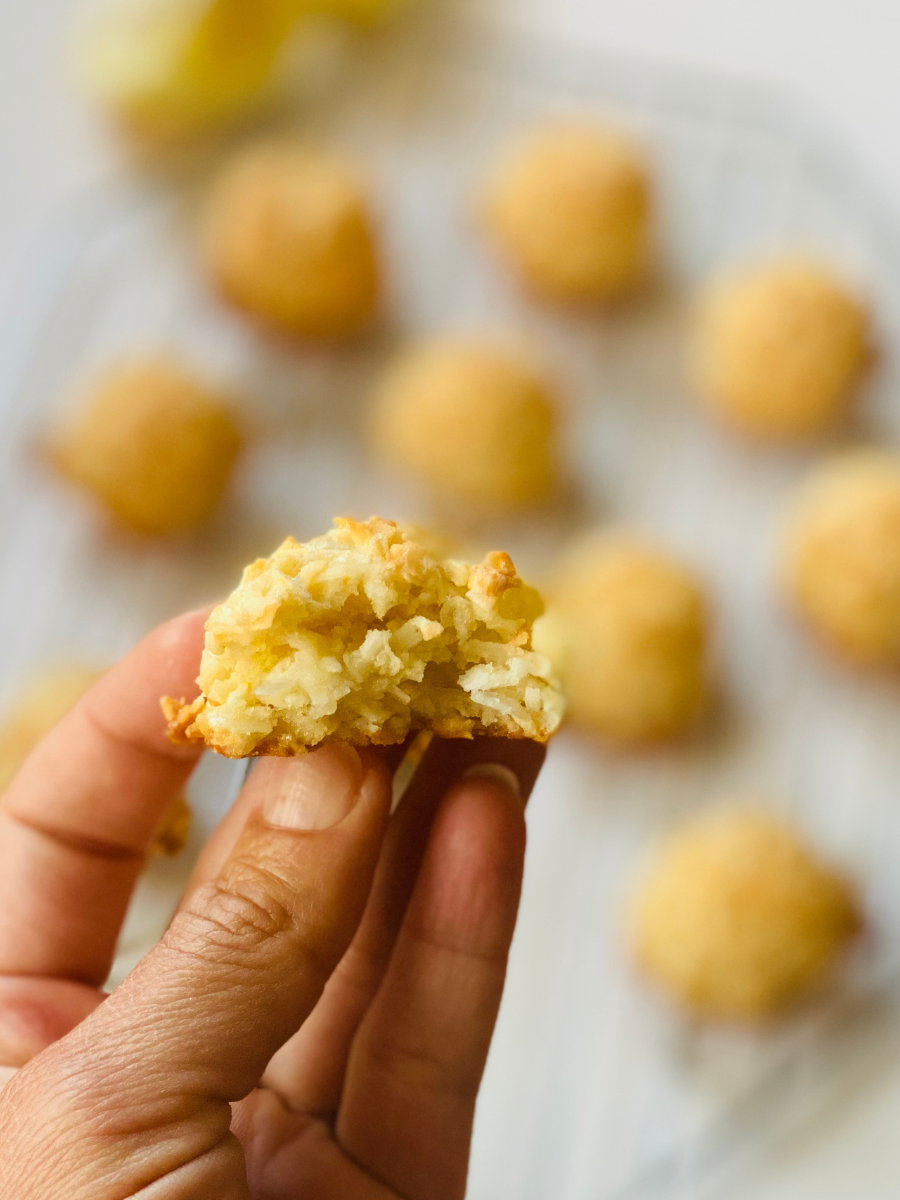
360,636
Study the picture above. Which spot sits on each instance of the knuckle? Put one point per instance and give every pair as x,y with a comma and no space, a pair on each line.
422,1069
362,971
231,917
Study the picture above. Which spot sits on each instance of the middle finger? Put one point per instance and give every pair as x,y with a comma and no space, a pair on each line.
308,1072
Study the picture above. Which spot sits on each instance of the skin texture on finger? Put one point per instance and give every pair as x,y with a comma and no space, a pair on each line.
224,838
143,1087
77,821
308,1072
416,1063
296,1157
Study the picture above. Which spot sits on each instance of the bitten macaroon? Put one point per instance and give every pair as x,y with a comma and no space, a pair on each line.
360,636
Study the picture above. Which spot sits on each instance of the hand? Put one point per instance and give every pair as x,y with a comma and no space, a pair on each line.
316,1020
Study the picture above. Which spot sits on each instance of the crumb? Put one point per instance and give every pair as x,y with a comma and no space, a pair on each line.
360,636
174,829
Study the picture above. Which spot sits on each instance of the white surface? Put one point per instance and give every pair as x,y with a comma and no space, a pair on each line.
841,55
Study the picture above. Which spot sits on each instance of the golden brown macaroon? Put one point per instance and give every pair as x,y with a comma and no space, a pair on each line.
43,703
471,422
152,444
569,208
777,348
736,918
626,629
360,636
841,555
289,239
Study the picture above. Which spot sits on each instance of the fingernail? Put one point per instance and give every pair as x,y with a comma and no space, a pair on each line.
315,791
498,772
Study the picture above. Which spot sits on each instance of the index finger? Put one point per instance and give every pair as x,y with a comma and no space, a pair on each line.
78,819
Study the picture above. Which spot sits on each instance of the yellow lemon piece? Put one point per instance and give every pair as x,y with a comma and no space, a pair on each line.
359,12
174,65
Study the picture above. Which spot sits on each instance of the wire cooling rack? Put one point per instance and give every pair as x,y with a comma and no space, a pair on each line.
594,1090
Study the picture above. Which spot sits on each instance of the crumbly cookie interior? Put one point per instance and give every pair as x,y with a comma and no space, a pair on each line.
360,636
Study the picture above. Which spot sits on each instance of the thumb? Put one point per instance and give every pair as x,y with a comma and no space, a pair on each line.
242,965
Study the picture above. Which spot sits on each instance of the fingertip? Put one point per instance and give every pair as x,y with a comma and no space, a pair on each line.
497,772
182,637
479,835
489,806
165,663
320,789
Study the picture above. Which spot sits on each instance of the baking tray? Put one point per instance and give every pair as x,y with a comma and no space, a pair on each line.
594,1089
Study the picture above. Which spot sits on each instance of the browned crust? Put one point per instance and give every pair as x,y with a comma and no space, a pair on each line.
183,731
495,575
180,716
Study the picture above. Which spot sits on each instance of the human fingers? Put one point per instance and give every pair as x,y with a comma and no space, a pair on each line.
416,1064
224,837
308,1072
191,1029
76,822
34,1013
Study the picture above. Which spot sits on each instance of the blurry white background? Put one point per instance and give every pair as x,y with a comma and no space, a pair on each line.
839,57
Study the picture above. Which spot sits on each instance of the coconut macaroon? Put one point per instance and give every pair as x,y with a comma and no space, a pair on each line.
360,636
777,348
736,918
627,629
472,422
288,238
569,208
40,704
152,444
840,557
